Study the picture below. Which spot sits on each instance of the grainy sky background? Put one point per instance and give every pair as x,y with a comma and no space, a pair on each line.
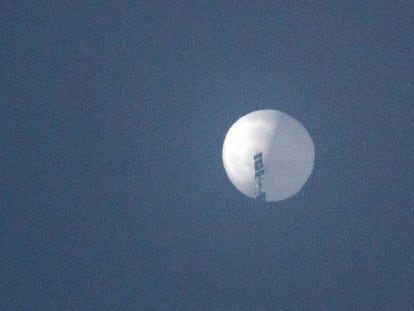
113,195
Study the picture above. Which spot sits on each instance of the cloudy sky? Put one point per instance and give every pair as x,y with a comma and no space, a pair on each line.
113,194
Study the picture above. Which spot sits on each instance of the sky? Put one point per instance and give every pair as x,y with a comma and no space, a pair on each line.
113,194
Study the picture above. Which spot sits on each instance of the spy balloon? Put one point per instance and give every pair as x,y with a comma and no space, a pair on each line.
268,155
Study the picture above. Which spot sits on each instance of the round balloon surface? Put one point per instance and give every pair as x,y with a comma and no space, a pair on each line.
287,155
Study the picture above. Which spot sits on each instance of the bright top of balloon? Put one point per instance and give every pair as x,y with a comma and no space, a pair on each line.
284,153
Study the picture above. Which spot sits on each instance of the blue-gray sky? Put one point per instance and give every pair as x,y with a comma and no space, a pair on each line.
113,195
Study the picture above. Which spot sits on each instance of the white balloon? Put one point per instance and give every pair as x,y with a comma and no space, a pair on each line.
287,148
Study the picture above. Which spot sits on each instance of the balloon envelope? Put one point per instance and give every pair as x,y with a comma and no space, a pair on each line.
287,149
